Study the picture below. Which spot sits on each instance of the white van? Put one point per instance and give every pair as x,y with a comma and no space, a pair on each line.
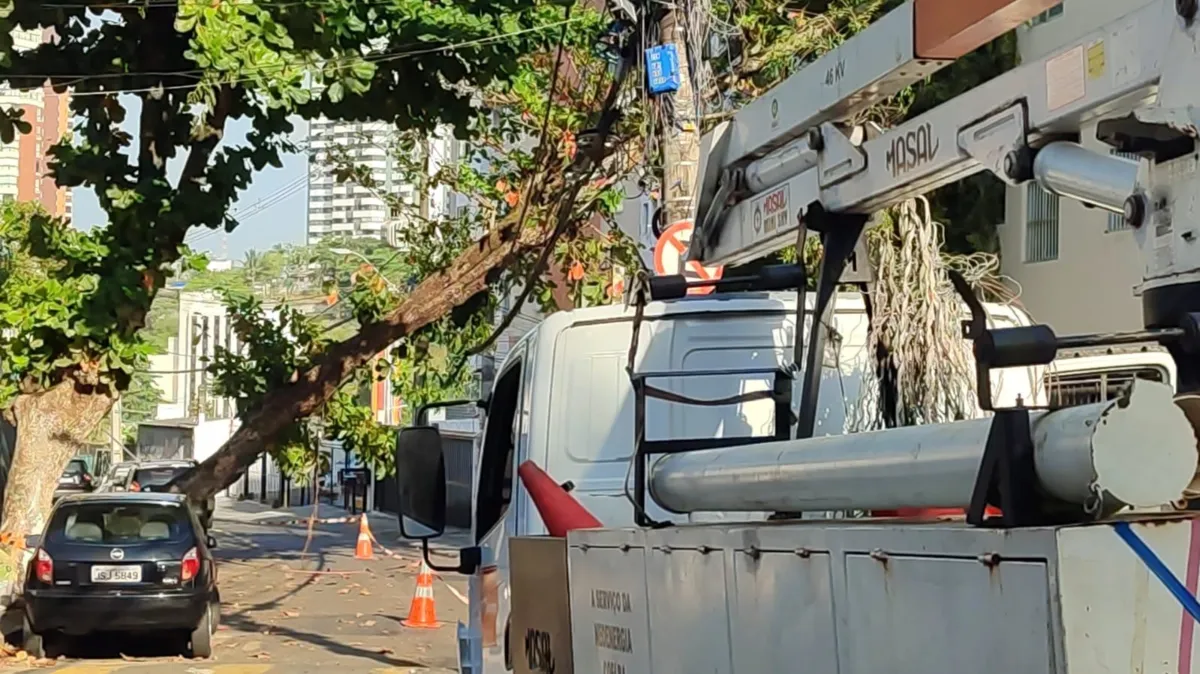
563,399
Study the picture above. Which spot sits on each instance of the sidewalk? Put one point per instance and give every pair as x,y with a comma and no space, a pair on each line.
385,526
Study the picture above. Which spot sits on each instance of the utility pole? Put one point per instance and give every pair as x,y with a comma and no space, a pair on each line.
115,433
681,131
423,182
205,356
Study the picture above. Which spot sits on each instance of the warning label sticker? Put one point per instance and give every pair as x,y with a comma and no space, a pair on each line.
1065,78
771,212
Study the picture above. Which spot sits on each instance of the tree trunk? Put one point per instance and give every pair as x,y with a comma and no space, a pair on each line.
470,273
433,298
52,426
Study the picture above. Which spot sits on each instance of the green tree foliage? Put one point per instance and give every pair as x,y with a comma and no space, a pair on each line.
296,273
50,326
154,88
501,176
280,343
195,66
498,175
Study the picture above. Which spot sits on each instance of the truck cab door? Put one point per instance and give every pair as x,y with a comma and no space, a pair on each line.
495,515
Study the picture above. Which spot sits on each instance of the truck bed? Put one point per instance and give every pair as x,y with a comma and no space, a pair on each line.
869,597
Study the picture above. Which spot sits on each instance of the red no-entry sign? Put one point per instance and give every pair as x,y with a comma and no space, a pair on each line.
668,258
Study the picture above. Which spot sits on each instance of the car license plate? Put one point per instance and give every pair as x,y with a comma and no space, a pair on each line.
116,574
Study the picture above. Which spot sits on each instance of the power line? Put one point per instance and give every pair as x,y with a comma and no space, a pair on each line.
384,57
276,197
264,204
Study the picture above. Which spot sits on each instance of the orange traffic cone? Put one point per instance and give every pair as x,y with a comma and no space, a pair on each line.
559,510
422,613
364,549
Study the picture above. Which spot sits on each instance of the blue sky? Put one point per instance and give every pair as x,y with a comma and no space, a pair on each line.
282,222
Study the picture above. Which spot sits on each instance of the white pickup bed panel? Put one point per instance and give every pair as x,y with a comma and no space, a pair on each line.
868,597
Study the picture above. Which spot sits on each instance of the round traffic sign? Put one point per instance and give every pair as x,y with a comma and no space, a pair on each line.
668,258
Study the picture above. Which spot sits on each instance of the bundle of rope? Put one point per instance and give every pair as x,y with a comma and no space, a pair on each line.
916,332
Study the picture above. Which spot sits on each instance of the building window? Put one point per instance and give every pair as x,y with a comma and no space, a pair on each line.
1041,225
1052,13
1116,221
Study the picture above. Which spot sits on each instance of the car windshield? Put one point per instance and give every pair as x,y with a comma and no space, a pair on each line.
114,522
74,467
157,476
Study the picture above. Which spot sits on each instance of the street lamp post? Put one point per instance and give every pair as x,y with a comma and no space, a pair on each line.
364,258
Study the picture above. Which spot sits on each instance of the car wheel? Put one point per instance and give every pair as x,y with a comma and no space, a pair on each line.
34,644
202,635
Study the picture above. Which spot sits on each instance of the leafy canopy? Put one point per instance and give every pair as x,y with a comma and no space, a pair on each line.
500,175
187,69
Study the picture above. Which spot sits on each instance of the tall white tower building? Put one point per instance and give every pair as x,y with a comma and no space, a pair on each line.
350,210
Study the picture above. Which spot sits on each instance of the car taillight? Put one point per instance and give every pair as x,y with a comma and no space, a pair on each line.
190,566
44,567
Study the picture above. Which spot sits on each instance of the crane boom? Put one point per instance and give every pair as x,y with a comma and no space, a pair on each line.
751,204
907,45
794,162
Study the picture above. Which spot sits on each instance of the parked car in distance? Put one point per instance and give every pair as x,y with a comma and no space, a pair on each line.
154,476
118,477
75,478
122,562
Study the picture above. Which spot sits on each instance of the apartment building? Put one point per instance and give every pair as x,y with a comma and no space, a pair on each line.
1076,266
24,173
350,210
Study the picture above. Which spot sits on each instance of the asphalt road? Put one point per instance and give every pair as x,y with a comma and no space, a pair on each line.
287,610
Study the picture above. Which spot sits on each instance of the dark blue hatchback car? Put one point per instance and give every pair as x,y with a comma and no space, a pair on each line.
122,562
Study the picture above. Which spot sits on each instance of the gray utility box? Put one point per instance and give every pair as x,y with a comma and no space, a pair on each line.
876,597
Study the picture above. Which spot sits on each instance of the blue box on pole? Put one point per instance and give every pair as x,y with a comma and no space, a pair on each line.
662,68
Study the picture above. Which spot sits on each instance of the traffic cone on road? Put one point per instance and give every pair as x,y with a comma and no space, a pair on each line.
559,510
364,549
422,613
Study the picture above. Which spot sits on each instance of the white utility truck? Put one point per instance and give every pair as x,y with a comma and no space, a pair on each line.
1066,580
562,399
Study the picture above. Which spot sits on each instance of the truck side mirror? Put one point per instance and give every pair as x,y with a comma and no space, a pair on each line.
421,476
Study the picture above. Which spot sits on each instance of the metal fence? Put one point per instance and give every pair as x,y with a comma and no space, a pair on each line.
1084,388
1041,225
263,482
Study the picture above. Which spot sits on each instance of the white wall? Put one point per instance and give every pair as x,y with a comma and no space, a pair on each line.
1089,287
210,434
